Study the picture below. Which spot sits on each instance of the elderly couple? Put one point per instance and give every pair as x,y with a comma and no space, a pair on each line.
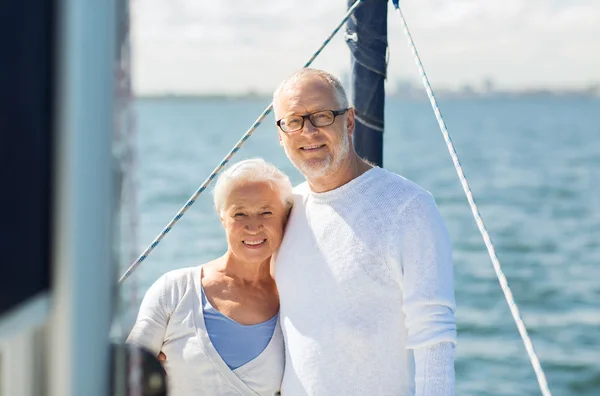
342,285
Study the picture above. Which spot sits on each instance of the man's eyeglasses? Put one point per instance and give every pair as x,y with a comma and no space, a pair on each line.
318,119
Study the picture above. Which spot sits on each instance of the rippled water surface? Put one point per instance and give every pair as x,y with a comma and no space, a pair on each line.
534,169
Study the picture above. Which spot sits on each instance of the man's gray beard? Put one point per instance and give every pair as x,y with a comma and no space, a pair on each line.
322,167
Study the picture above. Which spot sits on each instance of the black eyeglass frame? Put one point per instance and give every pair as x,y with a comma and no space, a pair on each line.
307,116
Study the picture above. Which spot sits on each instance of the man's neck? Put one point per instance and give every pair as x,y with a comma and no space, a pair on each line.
347,171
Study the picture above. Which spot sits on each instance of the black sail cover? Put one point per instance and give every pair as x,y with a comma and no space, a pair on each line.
366,37
26,133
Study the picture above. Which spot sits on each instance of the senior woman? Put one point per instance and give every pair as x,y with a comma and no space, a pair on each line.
218,323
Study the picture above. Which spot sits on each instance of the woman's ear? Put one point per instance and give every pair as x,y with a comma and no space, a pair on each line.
220,213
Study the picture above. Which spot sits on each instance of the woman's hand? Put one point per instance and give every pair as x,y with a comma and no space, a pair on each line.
162,357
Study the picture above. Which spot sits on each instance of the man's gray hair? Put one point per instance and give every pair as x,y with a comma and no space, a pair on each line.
252,170
336,85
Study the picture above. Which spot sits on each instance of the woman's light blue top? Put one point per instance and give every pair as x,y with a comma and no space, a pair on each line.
237,344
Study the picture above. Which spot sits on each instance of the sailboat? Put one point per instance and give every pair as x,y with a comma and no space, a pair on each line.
60,280
61,177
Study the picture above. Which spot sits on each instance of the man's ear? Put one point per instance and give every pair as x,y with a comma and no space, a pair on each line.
350,122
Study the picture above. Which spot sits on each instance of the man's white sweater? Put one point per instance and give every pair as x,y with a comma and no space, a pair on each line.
365,277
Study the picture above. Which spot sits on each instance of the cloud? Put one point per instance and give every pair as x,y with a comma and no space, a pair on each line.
233,46
518,42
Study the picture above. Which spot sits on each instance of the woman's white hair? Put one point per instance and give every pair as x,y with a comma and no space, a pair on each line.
253,170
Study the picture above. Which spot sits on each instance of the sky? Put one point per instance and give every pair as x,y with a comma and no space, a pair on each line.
235,46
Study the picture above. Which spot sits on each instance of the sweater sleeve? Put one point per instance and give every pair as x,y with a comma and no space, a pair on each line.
424,254
151,323
434,370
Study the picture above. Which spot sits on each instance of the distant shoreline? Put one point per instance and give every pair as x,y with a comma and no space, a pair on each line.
533,94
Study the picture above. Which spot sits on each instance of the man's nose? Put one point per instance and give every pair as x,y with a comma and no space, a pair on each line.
309,128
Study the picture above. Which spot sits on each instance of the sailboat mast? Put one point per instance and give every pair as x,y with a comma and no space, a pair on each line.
83,261
367,38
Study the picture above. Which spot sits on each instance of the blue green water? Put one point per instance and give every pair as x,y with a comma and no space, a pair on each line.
534,169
